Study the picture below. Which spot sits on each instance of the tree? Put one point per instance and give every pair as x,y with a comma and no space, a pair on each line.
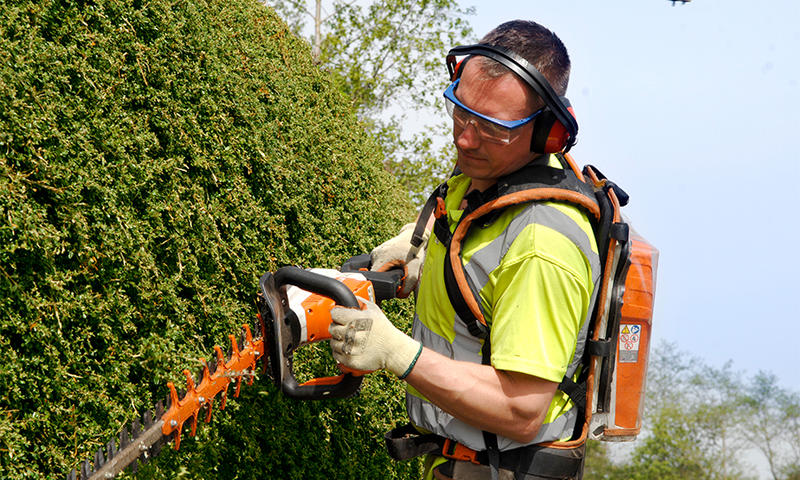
389,58
771,424
690,427
702,422
598,464
790,406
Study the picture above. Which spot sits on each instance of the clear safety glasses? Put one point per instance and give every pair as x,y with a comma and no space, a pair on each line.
489,129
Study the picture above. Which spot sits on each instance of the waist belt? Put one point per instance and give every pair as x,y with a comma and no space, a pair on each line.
407,442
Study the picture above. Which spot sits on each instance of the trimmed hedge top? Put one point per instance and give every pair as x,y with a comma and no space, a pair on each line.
156,157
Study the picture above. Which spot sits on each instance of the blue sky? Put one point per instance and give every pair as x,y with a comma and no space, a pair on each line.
694,109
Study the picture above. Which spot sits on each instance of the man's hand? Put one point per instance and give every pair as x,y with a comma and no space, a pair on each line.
398,252
366,340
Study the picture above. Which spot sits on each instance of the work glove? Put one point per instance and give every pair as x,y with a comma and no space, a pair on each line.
364,339
398,252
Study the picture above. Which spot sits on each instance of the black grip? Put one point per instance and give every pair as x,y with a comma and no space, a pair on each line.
347,385
385,284
285,339
316,283
358,263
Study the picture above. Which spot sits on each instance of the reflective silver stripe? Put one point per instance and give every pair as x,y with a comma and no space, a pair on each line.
424,335
432,418
466,348
483,262
559,428
580,343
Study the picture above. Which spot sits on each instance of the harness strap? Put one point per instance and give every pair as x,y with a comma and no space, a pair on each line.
575,391
407,442
489,438
536,182
493,454
465,292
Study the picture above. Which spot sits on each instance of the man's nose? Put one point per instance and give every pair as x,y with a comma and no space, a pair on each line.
468,138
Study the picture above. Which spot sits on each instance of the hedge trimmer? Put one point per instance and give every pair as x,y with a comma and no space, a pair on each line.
293,311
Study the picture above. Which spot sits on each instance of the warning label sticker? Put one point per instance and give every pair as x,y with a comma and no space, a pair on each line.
629,336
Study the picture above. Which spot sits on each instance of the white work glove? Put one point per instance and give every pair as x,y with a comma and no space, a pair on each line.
398,252
364,339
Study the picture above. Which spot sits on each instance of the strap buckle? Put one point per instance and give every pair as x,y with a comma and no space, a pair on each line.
440,210
455,451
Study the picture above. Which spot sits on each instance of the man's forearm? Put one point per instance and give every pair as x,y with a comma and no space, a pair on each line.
510,404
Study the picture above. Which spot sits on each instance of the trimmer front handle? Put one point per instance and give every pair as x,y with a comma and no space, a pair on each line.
286,331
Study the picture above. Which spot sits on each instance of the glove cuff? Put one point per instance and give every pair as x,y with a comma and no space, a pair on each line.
404,357
413,363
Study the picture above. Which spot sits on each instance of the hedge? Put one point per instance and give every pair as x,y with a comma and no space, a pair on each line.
156,157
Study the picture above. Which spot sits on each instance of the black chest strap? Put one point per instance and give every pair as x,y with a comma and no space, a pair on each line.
536,182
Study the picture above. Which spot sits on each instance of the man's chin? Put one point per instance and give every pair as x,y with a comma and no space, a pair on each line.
471,166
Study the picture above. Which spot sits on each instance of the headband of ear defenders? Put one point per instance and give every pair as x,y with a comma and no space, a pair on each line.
527,72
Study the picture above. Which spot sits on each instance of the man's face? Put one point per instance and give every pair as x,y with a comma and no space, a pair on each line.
505,98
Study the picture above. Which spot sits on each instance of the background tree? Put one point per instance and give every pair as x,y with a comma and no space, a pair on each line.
770,424
388,55
705,422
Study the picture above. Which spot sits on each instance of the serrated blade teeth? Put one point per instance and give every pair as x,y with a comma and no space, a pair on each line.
147,418
111,450
159,409
136,429
73,475
124,438
85,470
99,460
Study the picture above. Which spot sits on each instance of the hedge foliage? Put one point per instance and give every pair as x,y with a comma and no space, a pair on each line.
156,157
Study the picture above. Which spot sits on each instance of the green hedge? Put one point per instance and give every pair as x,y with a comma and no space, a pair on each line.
156,157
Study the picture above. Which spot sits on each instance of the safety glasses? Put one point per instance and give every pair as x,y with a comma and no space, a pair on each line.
489,129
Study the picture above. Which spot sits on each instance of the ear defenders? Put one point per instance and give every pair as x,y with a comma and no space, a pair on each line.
555,129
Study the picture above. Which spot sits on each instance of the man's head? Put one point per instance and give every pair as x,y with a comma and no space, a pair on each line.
536,44
489,94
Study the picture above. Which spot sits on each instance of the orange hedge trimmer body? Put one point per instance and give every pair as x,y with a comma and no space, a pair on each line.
293,310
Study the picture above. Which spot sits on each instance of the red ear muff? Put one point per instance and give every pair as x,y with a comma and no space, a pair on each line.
457,71
549,134
454,68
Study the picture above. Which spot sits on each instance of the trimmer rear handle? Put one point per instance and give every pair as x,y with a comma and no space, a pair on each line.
385,284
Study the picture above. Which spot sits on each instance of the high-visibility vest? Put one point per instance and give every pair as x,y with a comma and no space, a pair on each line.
611,368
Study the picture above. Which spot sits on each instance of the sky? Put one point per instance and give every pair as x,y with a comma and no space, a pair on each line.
693,110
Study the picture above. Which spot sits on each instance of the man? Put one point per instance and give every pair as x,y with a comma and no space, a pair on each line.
532,265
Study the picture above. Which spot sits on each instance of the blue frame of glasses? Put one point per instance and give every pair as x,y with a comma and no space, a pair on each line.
450,94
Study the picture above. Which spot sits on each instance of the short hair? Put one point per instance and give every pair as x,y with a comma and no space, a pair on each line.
536,44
